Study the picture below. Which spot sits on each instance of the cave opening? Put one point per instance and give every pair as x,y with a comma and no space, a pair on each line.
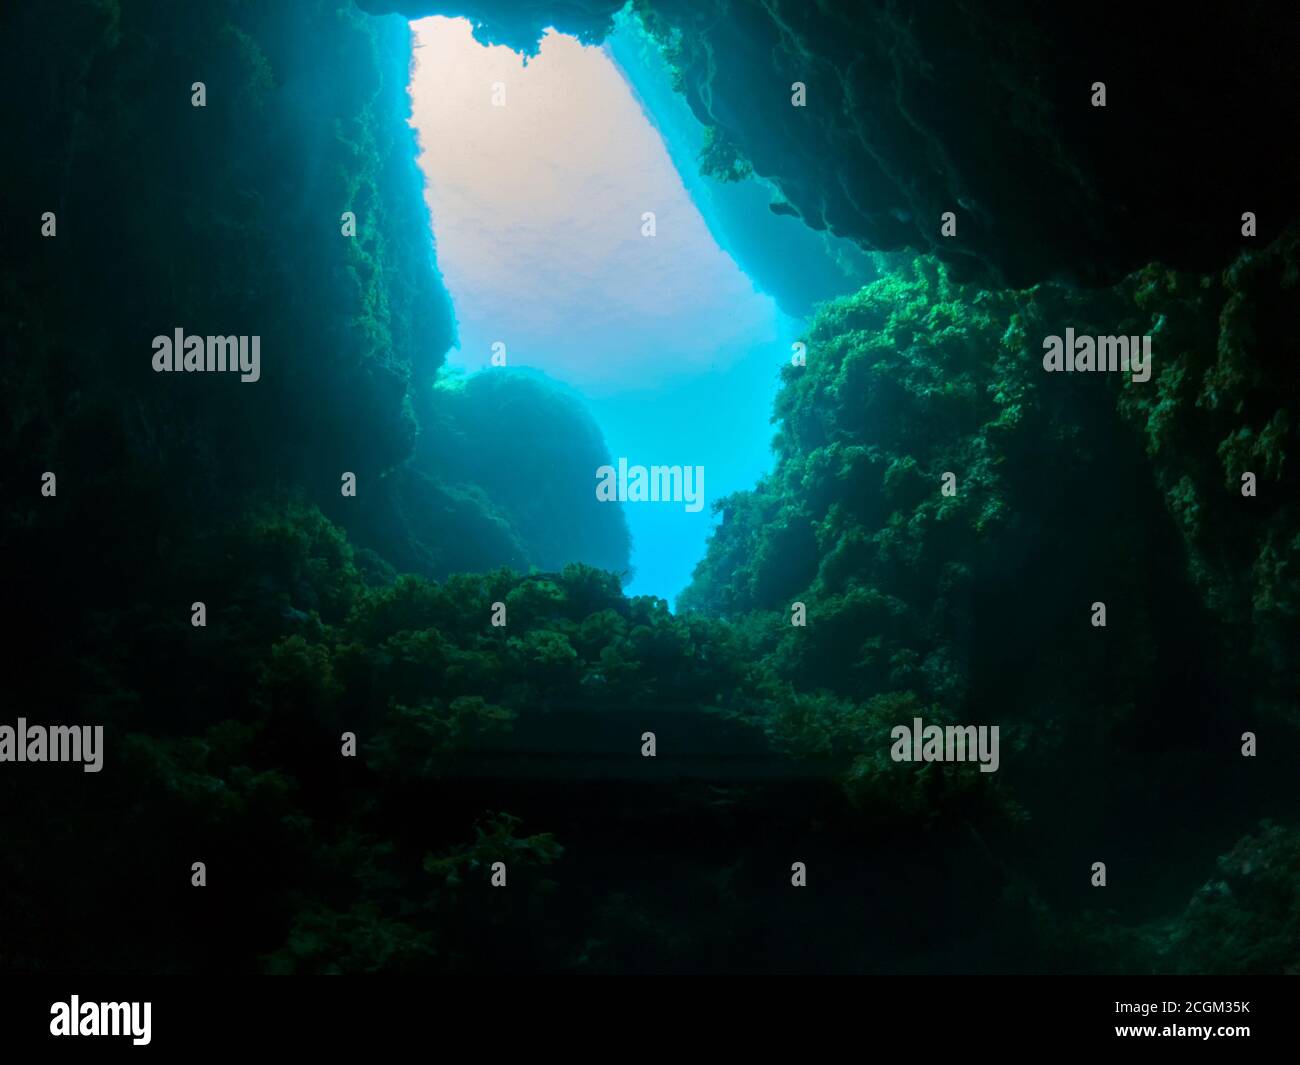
586,255
284,600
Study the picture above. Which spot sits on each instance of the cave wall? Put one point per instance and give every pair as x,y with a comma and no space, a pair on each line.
225,220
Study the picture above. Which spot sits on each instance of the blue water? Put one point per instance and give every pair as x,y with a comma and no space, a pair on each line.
713,412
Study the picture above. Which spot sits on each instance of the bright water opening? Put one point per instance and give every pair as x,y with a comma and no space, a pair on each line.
541,176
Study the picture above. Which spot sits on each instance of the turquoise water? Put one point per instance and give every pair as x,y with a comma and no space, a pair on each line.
675,347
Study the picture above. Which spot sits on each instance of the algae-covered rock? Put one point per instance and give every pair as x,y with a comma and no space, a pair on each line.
1219,426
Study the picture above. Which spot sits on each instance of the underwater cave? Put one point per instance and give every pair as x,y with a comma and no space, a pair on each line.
665,530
